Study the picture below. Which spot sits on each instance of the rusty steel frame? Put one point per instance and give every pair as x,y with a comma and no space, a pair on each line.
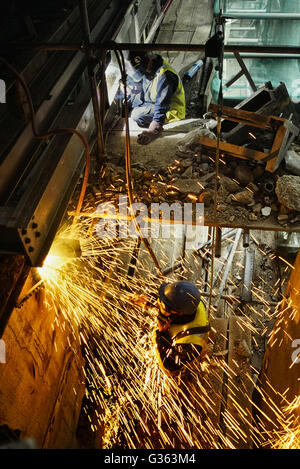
281,126
147,47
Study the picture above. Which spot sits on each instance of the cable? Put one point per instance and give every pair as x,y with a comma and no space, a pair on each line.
129,182
53,132
220,30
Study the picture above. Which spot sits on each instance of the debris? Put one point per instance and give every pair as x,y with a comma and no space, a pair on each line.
204,167
252,187
252,216
266,211
206,177
243,174
258,171
221,207
269,185
243,197
222,353
274,207
190,142
186,163
187,186
292,162
282,217
207,196
265,101
229,185
257,209
156,188
288,191
242,349
188,173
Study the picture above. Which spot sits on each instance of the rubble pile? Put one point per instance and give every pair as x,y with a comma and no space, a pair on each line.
246,192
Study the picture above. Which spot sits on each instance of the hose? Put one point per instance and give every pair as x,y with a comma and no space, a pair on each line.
53,132
129,182
219,121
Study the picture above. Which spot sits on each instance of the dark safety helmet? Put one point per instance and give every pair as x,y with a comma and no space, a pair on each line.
182,297
139,60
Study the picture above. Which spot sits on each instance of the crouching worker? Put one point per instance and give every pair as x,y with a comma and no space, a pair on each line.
183,326
158,95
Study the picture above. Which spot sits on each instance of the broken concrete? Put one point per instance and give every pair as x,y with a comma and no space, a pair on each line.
229,185
243,197
190,143
188,186
292,162
243,174
288,191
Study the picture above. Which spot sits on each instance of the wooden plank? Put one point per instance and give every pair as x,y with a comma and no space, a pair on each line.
249,118
233,150
276,147
238,414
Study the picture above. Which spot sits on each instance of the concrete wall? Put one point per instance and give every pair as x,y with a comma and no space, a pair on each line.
281,369
42,382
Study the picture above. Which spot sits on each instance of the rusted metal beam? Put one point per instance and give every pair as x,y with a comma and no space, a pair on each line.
248,118
285,130
143,47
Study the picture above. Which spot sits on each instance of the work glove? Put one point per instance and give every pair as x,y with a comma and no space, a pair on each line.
150,134
163,322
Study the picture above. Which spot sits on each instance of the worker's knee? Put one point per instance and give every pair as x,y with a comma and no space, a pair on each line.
143,115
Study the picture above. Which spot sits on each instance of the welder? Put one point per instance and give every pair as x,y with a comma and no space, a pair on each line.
156,94
183,326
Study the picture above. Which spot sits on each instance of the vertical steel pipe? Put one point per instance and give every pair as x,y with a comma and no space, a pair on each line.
92,77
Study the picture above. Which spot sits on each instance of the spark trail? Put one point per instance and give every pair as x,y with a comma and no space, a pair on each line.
132,399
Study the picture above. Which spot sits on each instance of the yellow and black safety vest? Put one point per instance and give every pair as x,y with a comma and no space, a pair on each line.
193,332
177,105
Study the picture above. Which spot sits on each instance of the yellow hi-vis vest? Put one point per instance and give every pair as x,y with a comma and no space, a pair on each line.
194,332
177,105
